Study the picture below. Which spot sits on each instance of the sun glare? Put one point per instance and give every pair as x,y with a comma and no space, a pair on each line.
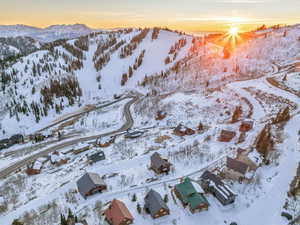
233,31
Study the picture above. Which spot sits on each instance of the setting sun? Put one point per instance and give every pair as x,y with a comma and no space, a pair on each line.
233,31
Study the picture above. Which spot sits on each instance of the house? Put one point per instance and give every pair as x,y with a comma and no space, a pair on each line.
82,147
182,130
90,183
118,214
106,141
38,137
189,196
226,136
236,169
252,158
16,139
58,159
155,205
160,115
34,168
246,126
4,143
133,134
96,157
213,184
159,165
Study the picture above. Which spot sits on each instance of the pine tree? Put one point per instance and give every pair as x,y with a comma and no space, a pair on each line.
166,198
63,220
138,208
134,198
33,90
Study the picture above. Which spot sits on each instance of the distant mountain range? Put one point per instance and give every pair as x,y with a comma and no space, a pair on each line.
47,34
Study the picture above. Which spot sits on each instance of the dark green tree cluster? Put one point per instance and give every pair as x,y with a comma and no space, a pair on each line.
177,46
128,49
71,219
155,33
103,46
74,51
82,43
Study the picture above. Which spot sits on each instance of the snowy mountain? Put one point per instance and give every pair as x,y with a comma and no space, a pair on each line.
47,34
194,101
14,46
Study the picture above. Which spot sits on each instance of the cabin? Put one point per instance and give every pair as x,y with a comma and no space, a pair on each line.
226,136
90,183
106,141
38,137
58,159
159,165
134,134
16,139
35,168
236,170
155,205
118,214
182,130
160,115
82,147
213,184
246,126
4,143
96,157
253,159
190,197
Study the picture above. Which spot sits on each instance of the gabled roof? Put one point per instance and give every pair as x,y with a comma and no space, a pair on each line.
117,212
207,175
157,161
154,202
227,133
217,183
97,156
88,182
237,165
189,194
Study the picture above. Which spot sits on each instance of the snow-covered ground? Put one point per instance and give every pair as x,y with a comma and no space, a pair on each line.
126,166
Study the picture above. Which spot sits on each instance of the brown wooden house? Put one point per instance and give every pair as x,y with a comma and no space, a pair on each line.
159,165
246,126
118,214
35,168
106,142
160,115
226,135
58,159
182,130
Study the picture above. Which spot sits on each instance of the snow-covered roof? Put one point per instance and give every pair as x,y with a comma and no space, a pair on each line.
37,165
255,157
198,187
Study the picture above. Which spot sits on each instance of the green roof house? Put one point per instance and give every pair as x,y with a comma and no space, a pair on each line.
189,196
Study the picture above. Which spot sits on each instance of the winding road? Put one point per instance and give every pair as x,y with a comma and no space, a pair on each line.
128,124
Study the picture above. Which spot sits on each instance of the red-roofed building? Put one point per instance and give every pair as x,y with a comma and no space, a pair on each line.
118,214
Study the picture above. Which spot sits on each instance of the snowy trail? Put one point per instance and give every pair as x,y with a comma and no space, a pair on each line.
275,196
87,75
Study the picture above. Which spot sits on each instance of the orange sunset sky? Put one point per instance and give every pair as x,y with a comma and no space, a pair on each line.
188,15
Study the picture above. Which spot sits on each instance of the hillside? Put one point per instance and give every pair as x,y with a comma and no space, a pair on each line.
129,93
